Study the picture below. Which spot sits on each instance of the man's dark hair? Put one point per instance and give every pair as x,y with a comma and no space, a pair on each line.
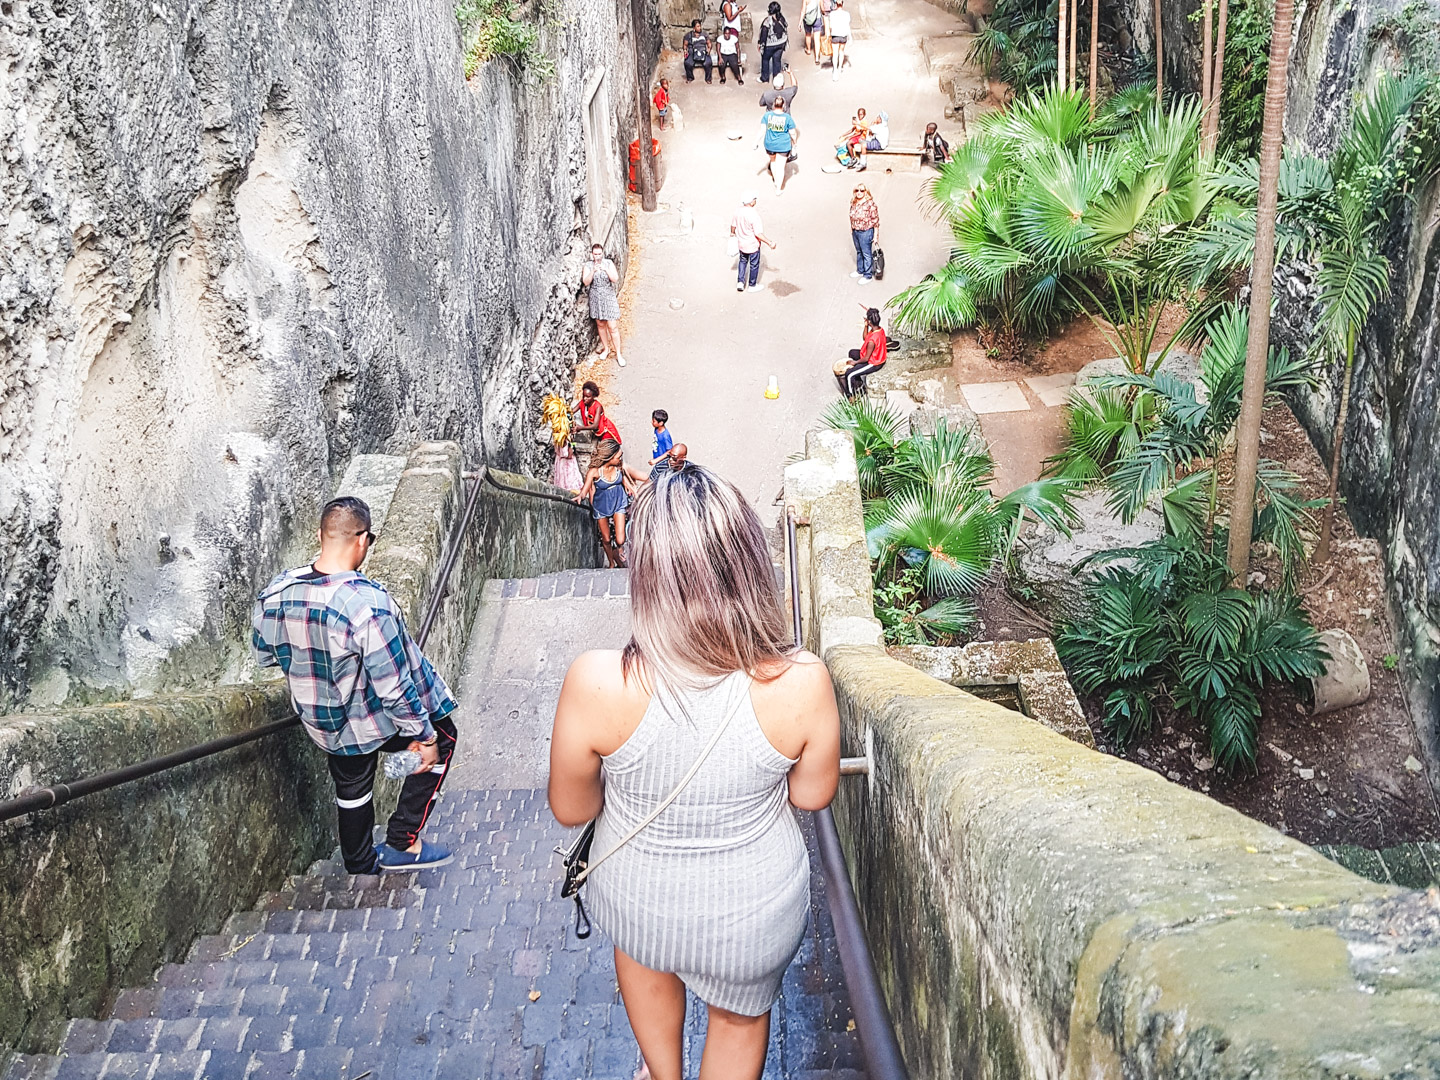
591,387
660,415
872,316
345,515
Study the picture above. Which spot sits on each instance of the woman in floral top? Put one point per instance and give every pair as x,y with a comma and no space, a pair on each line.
864,219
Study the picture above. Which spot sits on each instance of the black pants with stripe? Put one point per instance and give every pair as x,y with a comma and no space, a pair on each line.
354,776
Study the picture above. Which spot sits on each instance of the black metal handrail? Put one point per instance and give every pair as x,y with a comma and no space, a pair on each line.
872,1018
47,798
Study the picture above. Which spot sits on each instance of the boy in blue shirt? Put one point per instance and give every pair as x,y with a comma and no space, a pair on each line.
660,448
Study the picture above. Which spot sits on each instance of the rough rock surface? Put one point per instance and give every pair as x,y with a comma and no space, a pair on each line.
1048,562
244,242
1390,473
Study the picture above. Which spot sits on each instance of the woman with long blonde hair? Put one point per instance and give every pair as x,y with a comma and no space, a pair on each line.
692,746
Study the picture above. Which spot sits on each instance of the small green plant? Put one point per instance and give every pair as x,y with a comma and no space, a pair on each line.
900,607
1247,63
1391,661
934,530
495,28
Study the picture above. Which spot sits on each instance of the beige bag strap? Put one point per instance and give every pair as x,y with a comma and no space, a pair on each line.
664,803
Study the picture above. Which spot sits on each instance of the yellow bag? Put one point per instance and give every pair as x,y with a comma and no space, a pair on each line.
826,49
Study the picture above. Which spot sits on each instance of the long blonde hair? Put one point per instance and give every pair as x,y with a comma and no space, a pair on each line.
703,598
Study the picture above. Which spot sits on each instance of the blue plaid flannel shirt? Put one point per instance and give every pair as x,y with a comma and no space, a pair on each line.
356,676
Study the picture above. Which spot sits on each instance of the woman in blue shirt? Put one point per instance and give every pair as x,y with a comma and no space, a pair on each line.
780,134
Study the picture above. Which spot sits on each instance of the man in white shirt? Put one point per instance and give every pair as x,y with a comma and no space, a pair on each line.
749,233
839,37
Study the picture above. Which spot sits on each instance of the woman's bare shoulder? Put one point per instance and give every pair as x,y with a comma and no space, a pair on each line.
805,674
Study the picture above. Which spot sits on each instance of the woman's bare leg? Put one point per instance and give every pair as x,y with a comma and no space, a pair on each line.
610,554
602,328
655,1004
620,537
735,1046
614,328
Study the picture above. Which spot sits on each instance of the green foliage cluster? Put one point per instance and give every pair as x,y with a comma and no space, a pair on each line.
1016,43
1247,64
496,28
934,530
1169,621
1052,212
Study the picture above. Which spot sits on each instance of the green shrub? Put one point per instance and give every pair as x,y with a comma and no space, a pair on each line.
494,28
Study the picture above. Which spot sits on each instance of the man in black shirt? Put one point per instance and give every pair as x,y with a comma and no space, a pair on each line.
697,52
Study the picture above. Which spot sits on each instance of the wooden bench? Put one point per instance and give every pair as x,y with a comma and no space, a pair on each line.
894,157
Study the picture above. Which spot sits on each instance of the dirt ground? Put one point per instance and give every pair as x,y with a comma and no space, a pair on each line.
1349,777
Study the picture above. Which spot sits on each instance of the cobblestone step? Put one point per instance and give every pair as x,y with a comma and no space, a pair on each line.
469,972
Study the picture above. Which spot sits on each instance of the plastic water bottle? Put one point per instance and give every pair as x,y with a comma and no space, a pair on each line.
404,763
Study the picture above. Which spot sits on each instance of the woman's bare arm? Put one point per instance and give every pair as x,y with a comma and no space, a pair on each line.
598,710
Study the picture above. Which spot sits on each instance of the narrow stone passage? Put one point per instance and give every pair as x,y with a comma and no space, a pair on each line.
467,972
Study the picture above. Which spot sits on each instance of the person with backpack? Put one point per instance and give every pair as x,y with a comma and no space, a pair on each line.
696,45
814,25
774,36
864,220
361,686
935,147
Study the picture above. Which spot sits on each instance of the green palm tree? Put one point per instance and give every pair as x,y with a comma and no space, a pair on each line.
1332,213
1046,206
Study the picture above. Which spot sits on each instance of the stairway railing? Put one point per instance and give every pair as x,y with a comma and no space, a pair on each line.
872,1018
47,798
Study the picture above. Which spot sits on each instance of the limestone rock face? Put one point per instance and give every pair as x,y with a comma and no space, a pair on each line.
1049,563
245,242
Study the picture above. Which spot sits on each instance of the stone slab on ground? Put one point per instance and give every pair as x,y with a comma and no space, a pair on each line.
1179,363
1053,390
995,397
945,55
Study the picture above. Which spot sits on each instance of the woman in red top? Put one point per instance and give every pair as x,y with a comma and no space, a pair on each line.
870,357
590,414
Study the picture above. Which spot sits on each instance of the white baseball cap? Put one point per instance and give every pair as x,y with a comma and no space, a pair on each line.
748,198
778,81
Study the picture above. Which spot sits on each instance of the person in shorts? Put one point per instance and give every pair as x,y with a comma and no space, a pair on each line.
838,26
662,102
662,444
813,24
935,148
779,133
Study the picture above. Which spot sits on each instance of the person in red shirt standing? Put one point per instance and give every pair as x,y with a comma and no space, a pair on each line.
591,417
870,357
662,101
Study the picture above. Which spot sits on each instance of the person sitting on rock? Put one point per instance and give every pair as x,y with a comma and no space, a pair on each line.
934,148
866,360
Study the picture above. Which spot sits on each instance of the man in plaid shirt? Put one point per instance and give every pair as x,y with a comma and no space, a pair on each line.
361,685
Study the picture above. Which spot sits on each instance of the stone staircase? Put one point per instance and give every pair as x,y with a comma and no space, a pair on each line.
467,972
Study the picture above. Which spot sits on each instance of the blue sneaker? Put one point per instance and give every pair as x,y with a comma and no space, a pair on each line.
430,855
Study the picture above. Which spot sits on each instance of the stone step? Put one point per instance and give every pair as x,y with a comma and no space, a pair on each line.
317,899
460,1061
575,584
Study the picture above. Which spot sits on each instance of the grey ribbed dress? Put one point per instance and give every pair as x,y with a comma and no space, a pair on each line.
717,888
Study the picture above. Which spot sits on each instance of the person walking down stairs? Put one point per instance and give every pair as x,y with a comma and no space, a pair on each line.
689,748
361,686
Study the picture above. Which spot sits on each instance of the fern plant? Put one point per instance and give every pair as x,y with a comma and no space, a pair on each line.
1169,624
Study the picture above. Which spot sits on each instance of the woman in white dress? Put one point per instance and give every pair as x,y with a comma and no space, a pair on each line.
713,893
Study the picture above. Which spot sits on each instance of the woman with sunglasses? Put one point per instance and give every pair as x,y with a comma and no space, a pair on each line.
864,220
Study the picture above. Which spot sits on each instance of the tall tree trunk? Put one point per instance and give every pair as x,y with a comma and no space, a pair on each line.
645,167
1159,55
1211,129
1206,72
1074,82
1327,523
1262,274
1061,83
1094,53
